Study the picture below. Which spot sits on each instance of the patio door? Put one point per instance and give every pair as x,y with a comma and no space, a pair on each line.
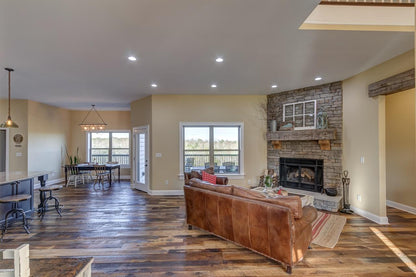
141,158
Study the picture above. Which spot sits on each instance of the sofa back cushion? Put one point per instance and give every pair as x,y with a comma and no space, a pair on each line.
208,186
292,202
247,193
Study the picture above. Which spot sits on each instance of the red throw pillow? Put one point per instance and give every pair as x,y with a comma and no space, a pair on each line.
209,178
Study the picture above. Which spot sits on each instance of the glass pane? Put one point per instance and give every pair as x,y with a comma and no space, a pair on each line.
196,160
196,148
299,109
309,107
226,161
142,159
196,138
309,121
120,140
298,121
226,149
121,155
288,110
100,140
226,137
289,119
99,156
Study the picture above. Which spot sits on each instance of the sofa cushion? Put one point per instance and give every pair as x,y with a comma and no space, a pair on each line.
208,186
195,174
209,177
294,203
247,193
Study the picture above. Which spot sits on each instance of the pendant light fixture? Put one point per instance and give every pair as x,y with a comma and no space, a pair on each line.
88,126
9,123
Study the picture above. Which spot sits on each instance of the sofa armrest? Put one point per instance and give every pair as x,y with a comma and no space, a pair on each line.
222,180
305,222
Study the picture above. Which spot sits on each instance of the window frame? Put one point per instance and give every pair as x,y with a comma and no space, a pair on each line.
110,148
303,114
182,126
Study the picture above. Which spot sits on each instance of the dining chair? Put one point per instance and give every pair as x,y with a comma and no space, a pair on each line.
101,174
74,175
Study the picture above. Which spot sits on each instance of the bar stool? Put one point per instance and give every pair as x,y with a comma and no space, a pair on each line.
44,207
14,199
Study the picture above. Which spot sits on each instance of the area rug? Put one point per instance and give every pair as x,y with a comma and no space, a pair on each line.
327,228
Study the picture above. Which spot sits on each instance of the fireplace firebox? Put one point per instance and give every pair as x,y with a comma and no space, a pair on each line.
304,174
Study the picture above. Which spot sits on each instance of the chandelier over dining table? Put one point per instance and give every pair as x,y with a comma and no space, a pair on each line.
87,125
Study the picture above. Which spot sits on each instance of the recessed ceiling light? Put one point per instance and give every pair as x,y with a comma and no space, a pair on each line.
318,78
214,85
154,85
274,86
132,58
219,60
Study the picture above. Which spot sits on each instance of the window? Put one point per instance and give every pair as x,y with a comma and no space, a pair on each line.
212,145
106,147
302,114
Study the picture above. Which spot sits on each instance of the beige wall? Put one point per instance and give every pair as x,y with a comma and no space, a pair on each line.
116,120
169,110
364,134
49,133
401,151
141,115
19,114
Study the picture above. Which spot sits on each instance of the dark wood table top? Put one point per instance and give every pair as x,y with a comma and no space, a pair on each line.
62,267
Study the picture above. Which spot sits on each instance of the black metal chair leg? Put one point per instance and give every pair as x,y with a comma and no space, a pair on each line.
4,230
25,225
57,205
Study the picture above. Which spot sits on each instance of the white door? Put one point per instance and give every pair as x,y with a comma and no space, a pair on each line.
141,158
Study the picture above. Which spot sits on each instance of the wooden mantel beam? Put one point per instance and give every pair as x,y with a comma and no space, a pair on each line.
397,83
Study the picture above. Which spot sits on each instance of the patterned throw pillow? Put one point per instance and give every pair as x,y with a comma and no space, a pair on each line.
209,178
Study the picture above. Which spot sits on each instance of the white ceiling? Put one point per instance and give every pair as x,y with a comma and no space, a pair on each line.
74,53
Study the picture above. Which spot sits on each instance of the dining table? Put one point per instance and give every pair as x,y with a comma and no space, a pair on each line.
91,167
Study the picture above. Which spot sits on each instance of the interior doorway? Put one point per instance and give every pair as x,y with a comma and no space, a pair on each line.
141,164
4,150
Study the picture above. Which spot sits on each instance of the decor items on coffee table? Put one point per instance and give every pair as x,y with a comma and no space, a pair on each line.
276,228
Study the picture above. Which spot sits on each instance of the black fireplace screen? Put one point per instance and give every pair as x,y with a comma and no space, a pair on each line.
305,174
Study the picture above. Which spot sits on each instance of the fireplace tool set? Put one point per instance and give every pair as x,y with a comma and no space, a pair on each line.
346,186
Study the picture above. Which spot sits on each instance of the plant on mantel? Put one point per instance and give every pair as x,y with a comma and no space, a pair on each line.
75,159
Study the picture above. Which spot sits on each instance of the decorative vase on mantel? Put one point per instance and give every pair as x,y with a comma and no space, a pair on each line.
273,126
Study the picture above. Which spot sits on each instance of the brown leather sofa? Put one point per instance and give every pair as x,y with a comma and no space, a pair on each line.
278,228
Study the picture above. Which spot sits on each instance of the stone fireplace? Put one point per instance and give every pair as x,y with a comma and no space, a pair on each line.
323,145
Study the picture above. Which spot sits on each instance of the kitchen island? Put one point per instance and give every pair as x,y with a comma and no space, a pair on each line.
25,185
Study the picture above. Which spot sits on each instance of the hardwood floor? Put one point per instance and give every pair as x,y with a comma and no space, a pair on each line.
130,233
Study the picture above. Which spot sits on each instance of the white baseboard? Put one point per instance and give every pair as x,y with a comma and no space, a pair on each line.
400,206
166,192
377,219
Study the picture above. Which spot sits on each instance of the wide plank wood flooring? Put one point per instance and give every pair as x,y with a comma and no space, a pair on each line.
130,233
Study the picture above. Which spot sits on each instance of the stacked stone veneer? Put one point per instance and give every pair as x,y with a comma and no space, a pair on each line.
328,97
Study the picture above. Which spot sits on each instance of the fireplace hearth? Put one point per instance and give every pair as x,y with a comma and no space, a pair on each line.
304,174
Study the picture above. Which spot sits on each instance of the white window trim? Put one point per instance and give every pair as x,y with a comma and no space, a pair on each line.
108,131
303,113
240,175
